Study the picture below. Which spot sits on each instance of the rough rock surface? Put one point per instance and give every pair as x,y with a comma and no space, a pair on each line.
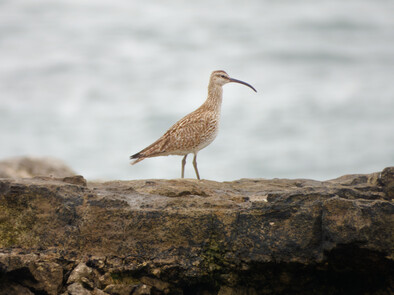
30,167
251,236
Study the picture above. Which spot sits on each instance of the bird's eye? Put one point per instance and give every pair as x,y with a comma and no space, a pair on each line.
223,76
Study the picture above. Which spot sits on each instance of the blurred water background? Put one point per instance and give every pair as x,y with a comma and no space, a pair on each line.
92,82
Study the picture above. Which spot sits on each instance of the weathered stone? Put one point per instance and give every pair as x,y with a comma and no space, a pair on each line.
77,179
387,179
105,280
354,222
199,237
224,290
48,276
86,283
99,292
14,289
79,272
30,167
77,289
31,271
158,284
143,290
120,289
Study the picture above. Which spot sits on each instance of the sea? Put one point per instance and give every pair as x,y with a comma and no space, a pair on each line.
92,82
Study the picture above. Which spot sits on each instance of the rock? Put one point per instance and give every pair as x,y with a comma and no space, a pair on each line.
30,271
23,167
236,291
119,289
77,289
99,292
387,180
158,284
143,290
105,280
77,179
14,289
250,236
48,276
80,272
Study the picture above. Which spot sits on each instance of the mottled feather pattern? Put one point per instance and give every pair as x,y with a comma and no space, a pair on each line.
196,130
190,134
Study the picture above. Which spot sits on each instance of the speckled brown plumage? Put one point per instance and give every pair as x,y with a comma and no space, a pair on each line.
194,131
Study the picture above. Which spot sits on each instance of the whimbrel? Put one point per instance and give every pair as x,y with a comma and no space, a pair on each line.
196,130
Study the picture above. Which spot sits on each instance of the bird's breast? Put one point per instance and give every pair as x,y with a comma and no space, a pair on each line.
209,134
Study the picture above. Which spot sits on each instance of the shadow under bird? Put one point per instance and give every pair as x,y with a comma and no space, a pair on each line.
196,130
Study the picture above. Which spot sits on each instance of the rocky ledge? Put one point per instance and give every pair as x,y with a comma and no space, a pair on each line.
251,236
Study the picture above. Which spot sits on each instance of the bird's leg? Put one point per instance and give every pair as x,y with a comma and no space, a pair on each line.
183,166
195,166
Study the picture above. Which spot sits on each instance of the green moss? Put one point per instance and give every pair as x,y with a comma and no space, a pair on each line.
124,278
213,255
16,226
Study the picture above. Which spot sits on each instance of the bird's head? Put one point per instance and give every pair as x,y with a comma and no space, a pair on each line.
221,77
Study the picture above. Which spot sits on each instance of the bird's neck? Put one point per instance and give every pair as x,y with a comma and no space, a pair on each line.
215,94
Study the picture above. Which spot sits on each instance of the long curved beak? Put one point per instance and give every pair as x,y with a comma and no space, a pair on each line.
242,82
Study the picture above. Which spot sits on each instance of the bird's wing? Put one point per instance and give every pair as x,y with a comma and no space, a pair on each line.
187,133
183,136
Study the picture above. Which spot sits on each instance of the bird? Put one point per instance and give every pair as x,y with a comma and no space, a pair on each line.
196,130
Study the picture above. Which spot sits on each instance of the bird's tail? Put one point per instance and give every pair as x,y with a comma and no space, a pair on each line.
154,150
138,158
